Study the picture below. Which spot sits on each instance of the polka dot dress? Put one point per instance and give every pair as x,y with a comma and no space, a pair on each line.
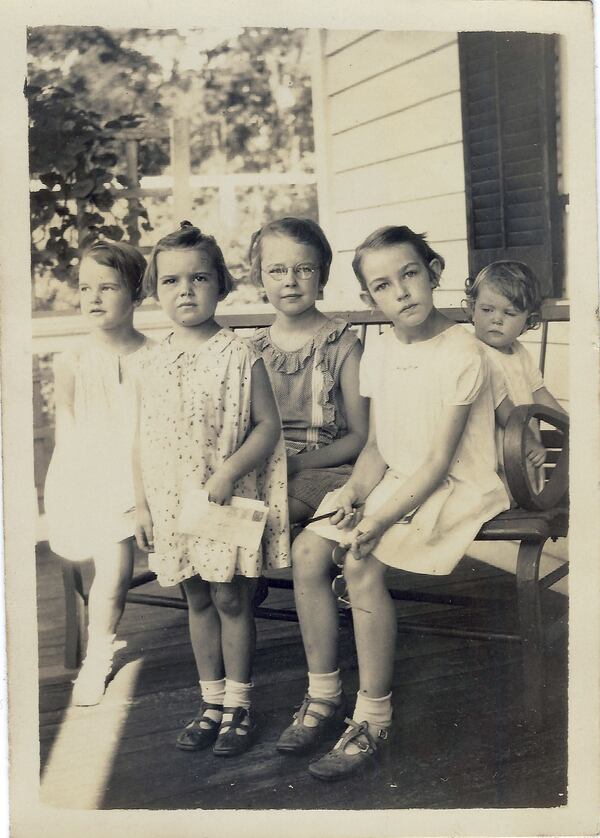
195,413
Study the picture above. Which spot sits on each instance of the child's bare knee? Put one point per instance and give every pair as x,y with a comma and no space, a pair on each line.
359,574
198,597
310,557
227,598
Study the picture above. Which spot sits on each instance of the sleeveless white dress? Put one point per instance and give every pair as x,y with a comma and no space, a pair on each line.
88,496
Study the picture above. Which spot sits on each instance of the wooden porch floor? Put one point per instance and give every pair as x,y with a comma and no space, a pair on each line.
461,739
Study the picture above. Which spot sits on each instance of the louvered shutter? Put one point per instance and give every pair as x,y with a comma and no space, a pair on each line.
509,138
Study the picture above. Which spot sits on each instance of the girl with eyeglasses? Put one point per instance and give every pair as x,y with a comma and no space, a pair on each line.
313,362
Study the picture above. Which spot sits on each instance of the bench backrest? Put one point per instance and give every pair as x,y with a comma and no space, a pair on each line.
553,311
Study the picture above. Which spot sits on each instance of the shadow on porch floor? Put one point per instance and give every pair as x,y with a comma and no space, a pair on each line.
461,738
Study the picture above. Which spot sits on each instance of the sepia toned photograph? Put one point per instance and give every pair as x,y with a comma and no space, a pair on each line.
300,521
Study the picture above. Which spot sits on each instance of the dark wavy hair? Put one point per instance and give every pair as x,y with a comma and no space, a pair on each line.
123,258
301,230
516,281
390,236
188,237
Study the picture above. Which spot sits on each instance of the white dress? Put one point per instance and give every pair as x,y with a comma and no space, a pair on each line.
515,374
88,496
411,385
195,413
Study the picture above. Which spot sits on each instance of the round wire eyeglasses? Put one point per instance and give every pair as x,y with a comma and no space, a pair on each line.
302,271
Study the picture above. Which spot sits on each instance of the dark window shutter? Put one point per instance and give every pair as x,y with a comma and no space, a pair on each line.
509,115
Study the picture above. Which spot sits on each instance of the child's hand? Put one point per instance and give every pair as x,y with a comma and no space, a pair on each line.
366,537
144,530
535,451
219,487
349,509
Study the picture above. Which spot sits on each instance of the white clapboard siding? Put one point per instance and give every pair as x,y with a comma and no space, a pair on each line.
350,66
559,333
441,218
399,133
433,75
340,39
433,171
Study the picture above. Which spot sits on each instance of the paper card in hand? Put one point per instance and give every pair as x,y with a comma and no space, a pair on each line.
239,524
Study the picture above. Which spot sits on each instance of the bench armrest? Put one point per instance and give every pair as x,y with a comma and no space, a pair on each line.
515,460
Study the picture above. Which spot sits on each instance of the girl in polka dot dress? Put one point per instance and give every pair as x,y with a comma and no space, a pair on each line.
208,419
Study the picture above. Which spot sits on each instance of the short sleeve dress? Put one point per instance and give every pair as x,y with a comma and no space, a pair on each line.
88,495
195,413
516,373
306,383
410,386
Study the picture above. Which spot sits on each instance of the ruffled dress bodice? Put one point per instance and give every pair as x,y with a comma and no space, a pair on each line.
306,384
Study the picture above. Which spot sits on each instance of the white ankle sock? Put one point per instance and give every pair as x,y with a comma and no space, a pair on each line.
325,685
376,712
213,691
237,694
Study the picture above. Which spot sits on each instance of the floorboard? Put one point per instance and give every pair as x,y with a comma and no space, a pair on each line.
461,735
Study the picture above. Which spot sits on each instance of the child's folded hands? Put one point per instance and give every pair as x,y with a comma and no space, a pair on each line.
366,536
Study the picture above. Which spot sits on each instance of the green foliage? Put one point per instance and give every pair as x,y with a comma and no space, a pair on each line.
73,150
247,97
256,104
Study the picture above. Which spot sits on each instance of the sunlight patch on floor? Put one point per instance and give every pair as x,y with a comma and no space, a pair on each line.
78,768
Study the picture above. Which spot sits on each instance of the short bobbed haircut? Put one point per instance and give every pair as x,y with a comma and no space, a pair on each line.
301,230
123,258
514,280
188,237
388,237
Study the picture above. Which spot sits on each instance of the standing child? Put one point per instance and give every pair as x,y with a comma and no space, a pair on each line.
313,363
427,476
89,496
504,301
208,419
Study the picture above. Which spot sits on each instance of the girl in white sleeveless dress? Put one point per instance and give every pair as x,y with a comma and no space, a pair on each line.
89,499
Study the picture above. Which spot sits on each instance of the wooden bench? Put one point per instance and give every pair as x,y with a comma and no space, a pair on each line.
537,518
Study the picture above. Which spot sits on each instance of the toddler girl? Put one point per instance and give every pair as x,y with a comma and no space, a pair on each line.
208,419
89,496
426,480
313,363
504,301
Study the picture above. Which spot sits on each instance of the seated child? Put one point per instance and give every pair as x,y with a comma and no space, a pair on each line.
503,302
423,485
